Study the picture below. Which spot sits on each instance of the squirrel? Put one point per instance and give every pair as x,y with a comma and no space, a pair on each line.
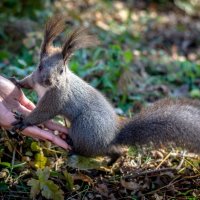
95,127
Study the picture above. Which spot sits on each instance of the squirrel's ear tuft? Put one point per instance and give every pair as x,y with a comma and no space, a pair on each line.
78,39
53,27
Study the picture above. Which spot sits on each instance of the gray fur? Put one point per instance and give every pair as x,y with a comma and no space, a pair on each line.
77,40
167,121
94,126
93,120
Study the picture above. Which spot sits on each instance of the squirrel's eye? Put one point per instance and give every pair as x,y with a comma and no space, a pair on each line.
40,67
61,71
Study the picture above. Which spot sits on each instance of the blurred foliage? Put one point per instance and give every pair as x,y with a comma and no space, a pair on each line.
191,7
23,8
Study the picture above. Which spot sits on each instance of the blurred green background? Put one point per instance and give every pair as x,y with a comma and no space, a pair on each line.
149,49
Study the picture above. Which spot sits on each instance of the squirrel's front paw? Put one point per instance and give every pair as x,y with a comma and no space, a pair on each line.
15,81
19,124
69,141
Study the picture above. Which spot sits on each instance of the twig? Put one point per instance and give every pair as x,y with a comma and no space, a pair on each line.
52,150
182,161
174,181
149,172
169,154
192,165
78,193
13,158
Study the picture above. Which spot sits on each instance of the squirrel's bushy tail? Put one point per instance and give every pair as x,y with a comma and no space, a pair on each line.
167,121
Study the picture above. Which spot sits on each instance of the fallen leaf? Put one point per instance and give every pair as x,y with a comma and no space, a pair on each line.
83,178
102,189
130,185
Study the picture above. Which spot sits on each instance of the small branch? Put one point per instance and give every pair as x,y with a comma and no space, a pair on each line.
182,161
149,172
168,155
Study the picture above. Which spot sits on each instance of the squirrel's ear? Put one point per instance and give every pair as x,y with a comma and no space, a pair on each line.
78,39
53,27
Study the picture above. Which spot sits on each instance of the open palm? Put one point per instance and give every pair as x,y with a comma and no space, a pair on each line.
13,99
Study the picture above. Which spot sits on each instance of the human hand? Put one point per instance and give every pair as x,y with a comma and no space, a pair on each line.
13,99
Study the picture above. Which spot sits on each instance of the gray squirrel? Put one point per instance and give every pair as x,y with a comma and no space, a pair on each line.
95,127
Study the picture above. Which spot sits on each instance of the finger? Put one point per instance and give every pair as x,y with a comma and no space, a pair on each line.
36,132
23,110
26,102
55,127
6,117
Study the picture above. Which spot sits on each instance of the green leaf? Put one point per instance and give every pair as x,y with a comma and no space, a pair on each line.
35,187
4,54
43,175
69,180
3,187
195,93
22,62
19,165
128,56
51,191
48,188
83,163
5,164
29,153
17,71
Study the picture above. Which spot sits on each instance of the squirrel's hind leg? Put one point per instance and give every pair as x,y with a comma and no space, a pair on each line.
114,154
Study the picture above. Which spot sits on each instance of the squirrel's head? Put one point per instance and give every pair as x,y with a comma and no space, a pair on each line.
52,68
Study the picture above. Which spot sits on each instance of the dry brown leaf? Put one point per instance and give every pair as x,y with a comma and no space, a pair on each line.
83,178
130,185
157,197
102,189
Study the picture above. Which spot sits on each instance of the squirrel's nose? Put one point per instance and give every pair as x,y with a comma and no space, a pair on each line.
48,82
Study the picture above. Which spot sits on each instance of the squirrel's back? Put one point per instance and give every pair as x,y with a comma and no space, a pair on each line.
167,121
94,125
